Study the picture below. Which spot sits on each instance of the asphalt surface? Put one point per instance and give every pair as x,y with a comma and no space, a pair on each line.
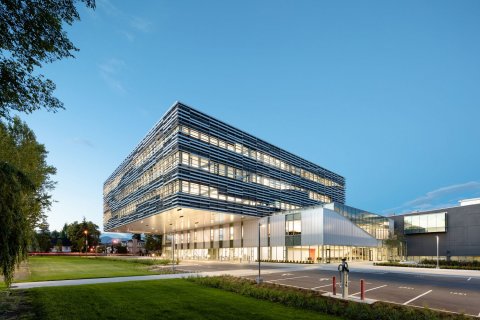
459,294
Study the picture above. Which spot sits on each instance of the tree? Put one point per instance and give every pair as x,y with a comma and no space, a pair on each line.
153,242
25,184
59,245
43,238
14,225
31,34
395,245
76,235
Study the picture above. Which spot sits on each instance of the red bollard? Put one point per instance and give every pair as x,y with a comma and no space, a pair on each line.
362,290
334,283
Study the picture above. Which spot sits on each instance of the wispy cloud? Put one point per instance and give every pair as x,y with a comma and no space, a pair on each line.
438,198
110,71
141,24
130,24
108,7
83,142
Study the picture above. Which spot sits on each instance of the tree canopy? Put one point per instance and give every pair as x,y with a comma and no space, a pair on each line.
24,192
76,234
153,242
31,34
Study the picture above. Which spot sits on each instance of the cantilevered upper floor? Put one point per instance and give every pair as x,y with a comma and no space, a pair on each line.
191,160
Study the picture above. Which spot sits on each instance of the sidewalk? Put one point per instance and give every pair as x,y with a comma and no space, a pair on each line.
370,268
77,282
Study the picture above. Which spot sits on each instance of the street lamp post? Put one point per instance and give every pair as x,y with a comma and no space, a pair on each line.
438,260
86,241
259,278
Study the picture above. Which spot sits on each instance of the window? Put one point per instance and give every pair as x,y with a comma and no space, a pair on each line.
213,193
204,191
425,223
231,233
220,233
185,187
194,133
204,164
204,137
221,170
195,161
293,224
230,173
194,188
293,229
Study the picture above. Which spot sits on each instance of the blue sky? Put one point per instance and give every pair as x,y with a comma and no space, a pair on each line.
385,93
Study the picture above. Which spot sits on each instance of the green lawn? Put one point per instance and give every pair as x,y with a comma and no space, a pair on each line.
165,299
62,268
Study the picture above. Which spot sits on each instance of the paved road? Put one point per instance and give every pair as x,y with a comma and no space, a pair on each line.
450,292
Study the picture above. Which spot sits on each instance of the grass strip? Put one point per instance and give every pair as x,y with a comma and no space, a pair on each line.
310,300
46,268
160,299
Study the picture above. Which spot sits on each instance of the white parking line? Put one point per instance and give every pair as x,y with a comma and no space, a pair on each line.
290,278
327,285
469,279
411,300
369,290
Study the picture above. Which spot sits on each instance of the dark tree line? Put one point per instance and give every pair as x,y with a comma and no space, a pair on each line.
72,235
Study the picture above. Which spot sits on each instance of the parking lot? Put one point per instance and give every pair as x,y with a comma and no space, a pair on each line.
450,293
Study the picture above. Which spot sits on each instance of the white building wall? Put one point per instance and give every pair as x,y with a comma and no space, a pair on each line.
250,233
340,231
226,235
206,237
277,230
215,236
263,234
237,235
312,226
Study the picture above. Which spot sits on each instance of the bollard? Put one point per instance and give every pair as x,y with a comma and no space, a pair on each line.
362,290
334,283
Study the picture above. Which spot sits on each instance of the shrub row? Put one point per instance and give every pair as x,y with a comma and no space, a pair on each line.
422,265
307,299
473,264
285,261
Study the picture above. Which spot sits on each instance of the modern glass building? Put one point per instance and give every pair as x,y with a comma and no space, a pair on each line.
209,184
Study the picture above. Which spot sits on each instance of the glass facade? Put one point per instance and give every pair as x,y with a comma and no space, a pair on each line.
189,157
376,225
293,229
425,223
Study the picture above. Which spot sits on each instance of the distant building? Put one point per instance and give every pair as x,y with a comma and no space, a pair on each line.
135,246
458,229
